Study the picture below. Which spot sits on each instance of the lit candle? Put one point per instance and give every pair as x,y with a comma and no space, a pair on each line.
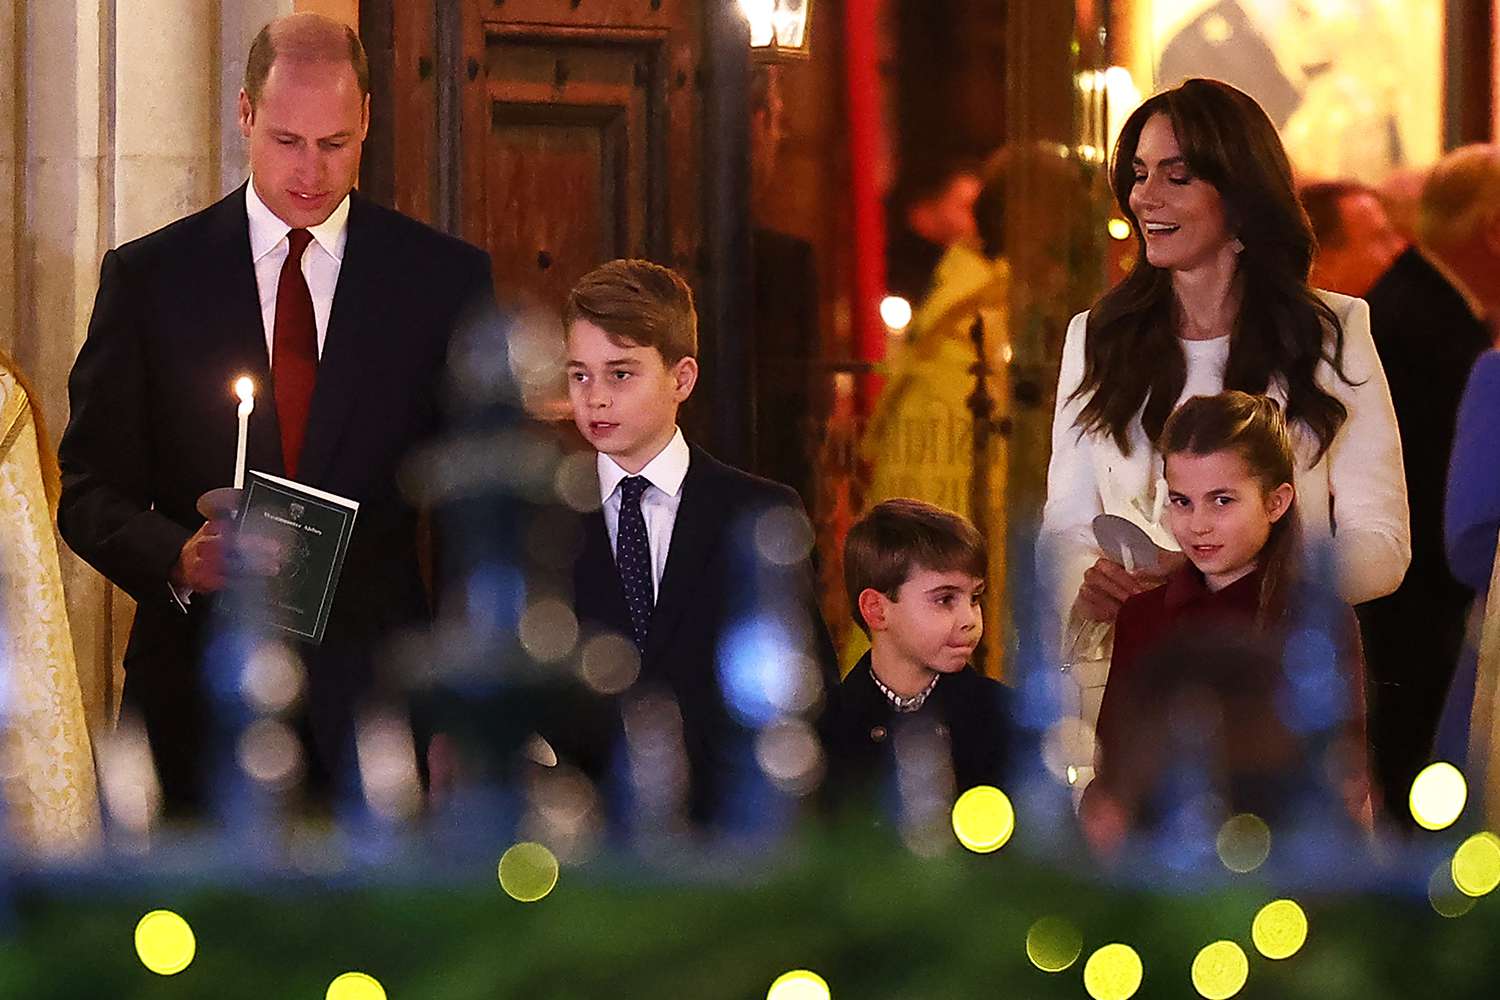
245,389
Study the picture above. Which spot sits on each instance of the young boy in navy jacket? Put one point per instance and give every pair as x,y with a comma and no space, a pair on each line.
915,576
703,568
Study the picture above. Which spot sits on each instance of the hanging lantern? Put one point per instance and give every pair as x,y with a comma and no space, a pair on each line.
778,28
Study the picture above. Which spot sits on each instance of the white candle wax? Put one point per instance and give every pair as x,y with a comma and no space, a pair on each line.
245,389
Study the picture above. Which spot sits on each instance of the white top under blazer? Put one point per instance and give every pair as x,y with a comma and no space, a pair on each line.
1355,494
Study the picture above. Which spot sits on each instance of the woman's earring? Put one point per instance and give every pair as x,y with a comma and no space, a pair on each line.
1236,246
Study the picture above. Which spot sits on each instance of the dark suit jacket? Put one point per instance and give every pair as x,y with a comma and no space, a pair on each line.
860,727
176,319
1428,340
734,601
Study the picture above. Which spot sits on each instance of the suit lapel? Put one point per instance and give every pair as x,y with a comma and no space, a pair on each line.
354,304
600,597
229,287
698,516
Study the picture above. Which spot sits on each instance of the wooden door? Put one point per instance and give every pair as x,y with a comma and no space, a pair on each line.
579,138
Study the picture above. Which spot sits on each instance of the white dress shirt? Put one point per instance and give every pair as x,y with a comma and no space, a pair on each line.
321,261
659,503
1353,495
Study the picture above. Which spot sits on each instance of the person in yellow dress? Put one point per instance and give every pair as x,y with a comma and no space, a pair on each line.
51,805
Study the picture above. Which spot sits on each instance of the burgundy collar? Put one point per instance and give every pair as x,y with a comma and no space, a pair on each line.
1187,586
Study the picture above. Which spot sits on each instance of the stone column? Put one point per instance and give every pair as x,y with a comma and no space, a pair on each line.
11,153
64,198
166,129
239,22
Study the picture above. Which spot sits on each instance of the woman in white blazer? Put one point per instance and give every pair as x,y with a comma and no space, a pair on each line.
1217,298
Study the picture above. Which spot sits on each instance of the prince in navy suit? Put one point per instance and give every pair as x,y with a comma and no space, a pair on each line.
704,568
341,311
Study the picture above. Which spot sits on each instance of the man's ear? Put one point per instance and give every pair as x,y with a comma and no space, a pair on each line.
364,119
684,377
872,607
247,113
1279,501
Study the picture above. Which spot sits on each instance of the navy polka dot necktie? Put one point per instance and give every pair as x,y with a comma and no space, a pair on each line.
633,557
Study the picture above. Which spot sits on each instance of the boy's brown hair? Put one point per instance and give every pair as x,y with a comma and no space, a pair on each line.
638,304
898,537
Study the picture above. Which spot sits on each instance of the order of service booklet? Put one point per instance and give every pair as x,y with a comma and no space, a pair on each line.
311,529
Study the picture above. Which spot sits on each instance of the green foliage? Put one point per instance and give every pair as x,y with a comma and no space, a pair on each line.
871,918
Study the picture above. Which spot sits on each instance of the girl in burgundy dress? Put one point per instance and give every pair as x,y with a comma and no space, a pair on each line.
1199,668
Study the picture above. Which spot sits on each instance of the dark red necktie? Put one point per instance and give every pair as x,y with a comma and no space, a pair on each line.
294,351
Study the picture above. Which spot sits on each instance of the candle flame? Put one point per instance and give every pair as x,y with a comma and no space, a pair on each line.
244,388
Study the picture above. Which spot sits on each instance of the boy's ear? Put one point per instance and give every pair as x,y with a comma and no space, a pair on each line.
1279,501
872,607
684,377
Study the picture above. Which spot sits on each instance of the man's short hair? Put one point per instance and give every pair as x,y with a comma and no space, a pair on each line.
306,37
1461,189
901,536
640,304
1320,200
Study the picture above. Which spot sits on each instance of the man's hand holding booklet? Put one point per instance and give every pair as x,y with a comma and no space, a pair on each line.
300,535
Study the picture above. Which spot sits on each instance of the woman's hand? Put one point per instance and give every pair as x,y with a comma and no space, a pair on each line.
1107,585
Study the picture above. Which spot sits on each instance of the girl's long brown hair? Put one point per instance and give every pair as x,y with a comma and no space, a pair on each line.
1254,428
1133,363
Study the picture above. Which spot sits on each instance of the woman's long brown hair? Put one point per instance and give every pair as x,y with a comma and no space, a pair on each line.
1254,428
1133,362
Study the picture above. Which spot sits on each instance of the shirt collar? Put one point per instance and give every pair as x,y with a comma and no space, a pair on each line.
267,230
666,471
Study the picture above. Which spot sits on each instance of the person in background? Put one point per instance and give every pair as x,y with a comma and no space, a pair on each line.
919,439
1356,241
930,209
1428,317
1471,526
1232,507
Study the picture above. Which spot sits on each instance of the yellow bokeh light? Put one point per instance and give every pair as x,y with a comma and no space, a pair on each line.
1438,795
799,984
983,819
1476,865
1119,229
355,986
1113,972
1220,970
1445,897
528,871
165,942
1244,843
1053,944
1280,929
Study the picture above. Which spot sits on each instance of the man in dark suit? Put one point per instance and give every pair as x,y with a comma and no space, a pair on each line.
1426,315
703,567
341,311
